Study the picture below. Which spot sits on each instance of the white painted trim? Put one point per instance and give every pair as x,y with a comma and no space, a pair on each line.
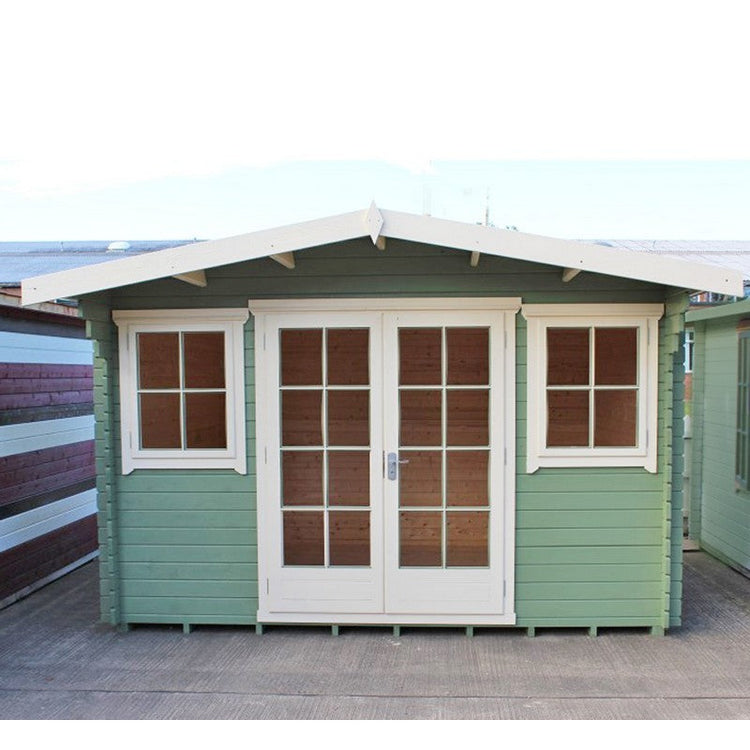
653,268
196,278
33,436
379,304
32,349
231,322
541,317
24,527
303,618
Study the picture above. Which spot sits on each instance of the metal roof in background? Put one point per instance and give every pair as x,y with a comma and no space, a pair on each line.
731,254
20,260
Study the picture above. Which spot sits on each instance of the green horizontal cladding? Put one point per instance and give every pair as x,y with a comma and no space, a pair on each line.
720,510
592,546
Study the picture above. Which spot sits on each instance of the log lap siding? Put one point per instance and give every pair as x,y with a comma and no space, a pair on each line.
593,547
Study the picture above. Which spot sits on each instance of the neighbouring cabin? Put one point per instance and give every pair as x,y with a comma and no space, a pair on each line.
47,472
380,418
720,470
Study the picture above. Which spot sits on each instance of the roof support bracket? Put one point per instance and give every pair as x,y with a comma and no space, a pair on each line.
286,259
196,278
474,261
374,222
569,274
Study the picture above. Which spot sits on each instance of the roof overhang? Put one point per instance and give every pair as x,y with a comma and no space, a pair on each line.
188,261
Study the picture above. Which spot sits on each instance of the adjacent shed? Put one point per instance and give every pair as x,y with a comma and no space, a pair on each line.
381,418
720,486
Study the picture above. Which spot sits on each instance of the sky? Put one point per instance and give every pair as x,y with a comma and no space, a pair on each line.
174,120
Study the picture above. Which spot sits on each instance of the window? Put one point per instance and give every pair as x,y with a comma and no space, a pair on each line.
689,349
181,385
742,453
592,379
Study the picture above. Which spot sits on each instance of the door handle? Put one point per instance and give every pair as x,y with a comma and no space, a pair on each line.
392,465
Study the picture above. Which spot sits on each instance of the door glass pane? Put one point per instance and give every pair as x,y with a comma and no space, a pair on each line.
301,357
567,418
467,539
302,478
204,360
567,356
348,356
348,418
420,359
468,356
160,420
420,481
421,417
468,417
615,418
616,356
205,422
349,537
468,478
158,360
303,538
348,478
420,538
301,418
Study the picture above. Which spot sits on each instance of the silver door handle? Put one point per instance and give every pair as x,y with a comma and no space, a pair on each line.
392,465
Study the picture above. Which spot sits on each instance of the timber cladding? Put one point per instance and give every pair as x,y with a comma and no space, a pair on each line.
47,463
593,547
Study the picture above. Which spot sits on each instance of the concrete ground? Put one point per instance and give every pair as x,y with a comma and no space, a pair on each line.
57,661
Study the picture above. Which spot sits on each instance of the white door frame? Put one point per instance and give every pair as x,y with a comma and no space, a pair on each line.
310,312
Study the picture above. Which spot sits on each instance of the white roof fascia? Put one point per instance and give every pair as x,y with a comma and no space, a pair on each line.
564,253
198,256
423,229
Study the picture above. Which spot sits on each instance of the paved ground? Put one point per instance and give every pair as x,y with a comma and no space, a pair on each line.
58,662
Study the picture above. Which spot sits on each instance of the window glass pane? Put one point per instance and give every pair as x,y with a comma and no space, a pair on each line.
567,356
468,478
349,537
467,539
301,357
158,360
421,421
348,418
420,361
420,481
303,538
468,356
614,418
567,418
348,478
302,478
616,356
205,420
348,356
204,360
160,420
300,418
420,538
468,417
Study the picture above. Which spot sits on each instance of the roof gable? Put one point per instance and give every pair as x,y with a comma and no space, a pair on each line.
188,262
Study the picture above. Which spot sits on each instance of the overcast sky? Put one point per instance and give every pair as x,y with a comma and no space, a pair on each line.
151,120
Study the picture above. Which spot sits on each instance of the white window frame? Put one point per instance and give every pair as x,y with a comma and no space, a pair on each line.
644,317
230,322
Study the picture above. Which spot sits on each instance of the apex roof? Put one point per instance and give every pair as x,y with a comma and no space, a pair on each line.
189,262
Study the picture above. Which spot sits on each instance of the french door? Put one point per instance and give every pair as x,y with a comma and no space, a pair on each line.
385,487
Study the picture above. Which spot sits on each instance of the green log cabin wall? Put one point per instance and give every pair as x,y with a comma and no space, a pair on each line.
594,547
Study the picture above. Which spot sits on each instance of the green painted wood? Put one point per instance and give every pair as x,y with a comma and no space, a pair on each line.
205,590
610,527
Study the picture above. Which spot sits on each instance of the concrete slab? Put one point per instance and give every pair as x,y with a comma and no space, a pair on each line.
58,662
